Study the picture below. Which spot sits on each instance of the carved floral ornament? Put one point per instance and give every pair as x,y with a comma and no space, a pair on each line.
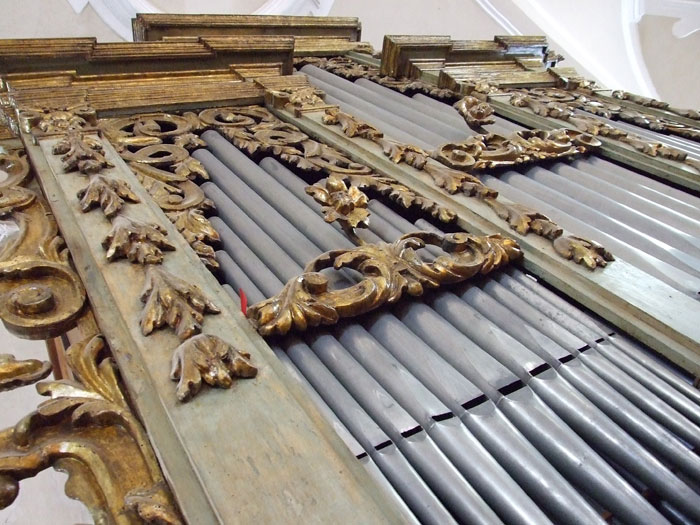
86,429
563,105
457,161
166,170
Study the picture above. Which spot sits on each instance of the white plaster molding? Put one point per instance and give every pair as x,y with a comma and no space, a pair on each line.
117,14
686,11
498,17
295,7
575,45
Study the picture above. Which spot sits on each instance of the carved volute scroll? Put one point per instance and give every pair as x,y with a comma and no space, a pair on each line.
389,270
87,429
458,162
40,294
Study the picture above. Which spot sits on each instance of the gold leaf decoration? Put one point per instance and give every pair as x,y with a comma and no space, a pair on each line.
207,358
198,232
476,113
389,270
173,302
14,373
346,206
109,193
524,220
136,241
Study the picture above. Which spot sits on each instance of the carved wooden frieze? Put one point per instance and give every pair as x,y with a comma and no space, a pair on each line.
167,170
40,294
657,104
563,105
87,429
255,130
458,162
389,270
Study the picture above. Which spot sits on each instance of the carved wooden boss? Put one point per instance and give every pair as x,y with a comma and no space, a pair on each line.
106,238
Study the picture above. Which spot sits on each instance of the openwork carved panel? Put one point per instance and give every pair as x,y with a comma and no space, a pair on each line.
87,429
40,294
156,146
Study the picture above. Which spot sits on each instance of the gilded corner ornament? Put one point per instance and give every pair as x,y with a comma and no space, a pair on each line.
87,429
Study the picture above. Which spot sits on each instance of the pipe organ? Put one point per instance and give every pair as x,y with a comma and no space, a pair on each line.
285,278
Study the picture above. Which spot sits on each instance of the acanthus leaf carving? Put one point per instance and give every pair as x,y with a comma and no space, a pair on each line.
173,302
476,113
87,429
198,232
582,251
389,270
109,193
208,358
347,206
80,153
136,241
488,151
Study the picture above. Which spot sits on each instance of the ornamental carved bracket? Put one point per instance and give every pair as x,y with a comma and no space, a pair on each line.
389,271
457,162
40,294
87,429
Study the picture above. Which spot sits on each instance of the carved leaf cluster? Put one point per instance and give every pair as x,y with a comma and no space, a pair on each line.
109,193
173,302
83,154
136,241
209,359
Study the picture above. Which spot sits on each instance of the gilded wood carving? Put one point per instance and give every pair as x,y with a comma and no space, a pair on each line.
255,130
389,270
658,104
40,294
562,105
87,429
156,147
168,300
491,151
15,373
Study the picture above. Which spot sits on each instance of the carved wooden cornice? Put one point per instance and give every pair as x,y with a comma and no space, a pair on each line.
87,429
312,35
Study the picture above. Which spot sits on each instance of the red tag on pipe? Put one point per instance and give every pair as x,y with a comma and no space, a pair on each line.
244,301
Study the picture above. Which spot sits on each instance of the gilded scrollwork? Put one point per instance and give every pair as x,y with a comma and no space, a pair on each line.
584,114
389,270
40,294
87,429
458,161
